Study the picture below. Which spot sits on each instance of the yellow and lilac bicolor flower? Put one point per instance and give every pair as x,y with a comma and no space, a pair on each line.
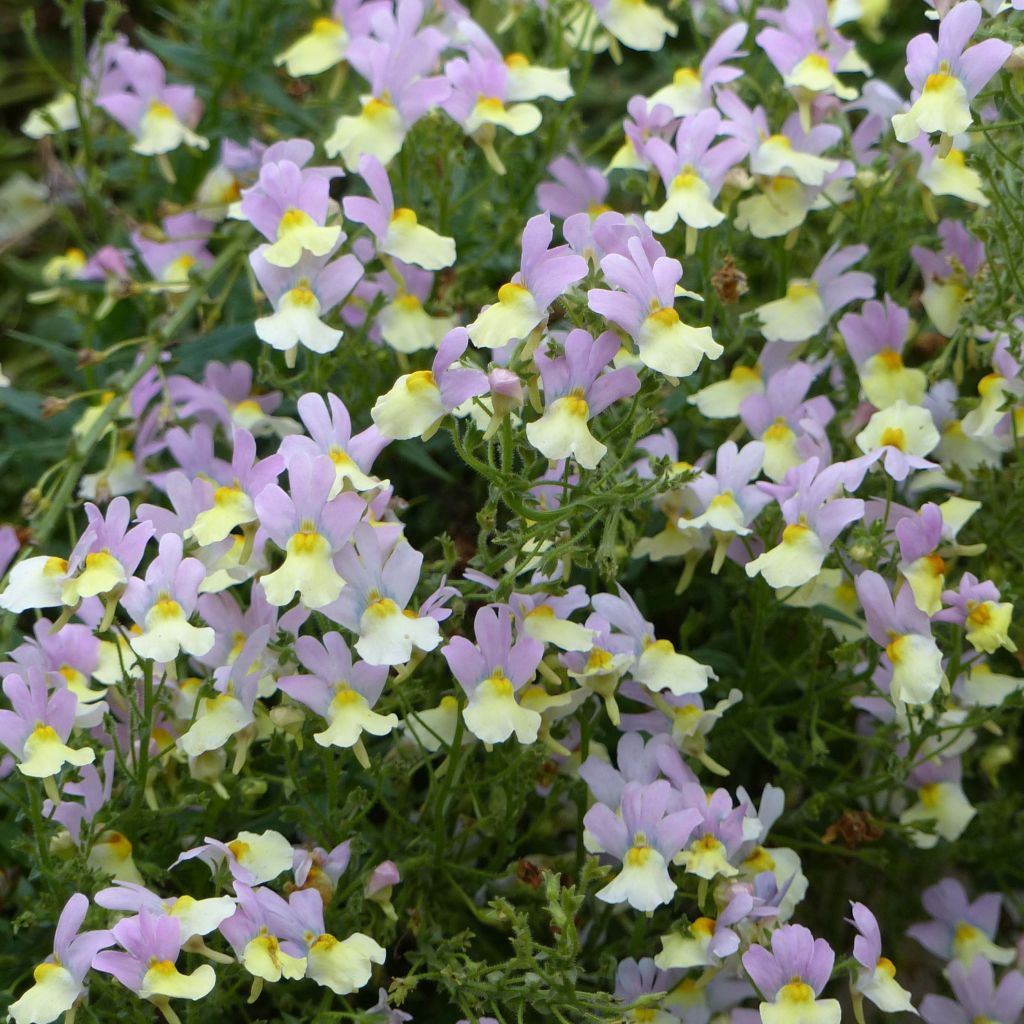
545,272
947,74
643,305
492,672
59,981
719,835
251,858
310,528
146,962
382,571
397,64
707,941
174,251
160,116
948,274
792,976
597,25
942,806
876,978
693,89
978,997
692,171
577,188
976,607
397,231
646,120
904,633
959,928
37,730
576,389
196,917
327,42
811,302
901,435
340,691
645,836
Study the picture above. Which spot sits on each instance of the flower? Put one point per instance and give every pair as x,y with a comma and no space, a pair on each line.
59,981
977,995
522,306
492,672
694,89
330,39
792,976
948,74
903,434
877,976
649,834
250,857
575,390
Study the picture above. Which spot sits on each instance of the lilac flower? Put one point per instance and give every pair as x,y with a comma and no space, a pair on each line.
310,528
251,858
718,833
948,74
401,322
976,606
601,668
397,232
903,434
37,730
546,618
160,116
196,917
330,433
959,928
710,940
875,338
810,303
301,296
95,795
647,120
789,425
904,632
234,501
321,869
340,692
634,979
258,932
577,188
814,518
645,309
575,390
419,401
60,978
692,173
381,577
395,64
918,536
183,246
162,605
634,23
151,944
638,761
35,583
659,666
330,39
289,206
522,306
492,672
792,976
977,995
877,976
693,90
645,839
947,274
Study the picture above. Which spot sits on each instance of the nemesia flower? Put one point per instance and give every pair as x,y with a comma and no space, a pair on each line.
162,605
492,672
792,976
947,75
381,575
659,666
977,995
920,565
634,23
397,232
59,981
160,116
251,858
546,618
903,434
577,188
171,252
693,89
976,606
692,172
145,964
37,730
196,917
522,306
718,835
646,121
877,976
947,275
419,401
340,692
875,338
710,940
395,64
810,303
949,174
575,390
960,928
904,632
645,309
646,838
310,528
636,978
36,582
402,321
329,39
